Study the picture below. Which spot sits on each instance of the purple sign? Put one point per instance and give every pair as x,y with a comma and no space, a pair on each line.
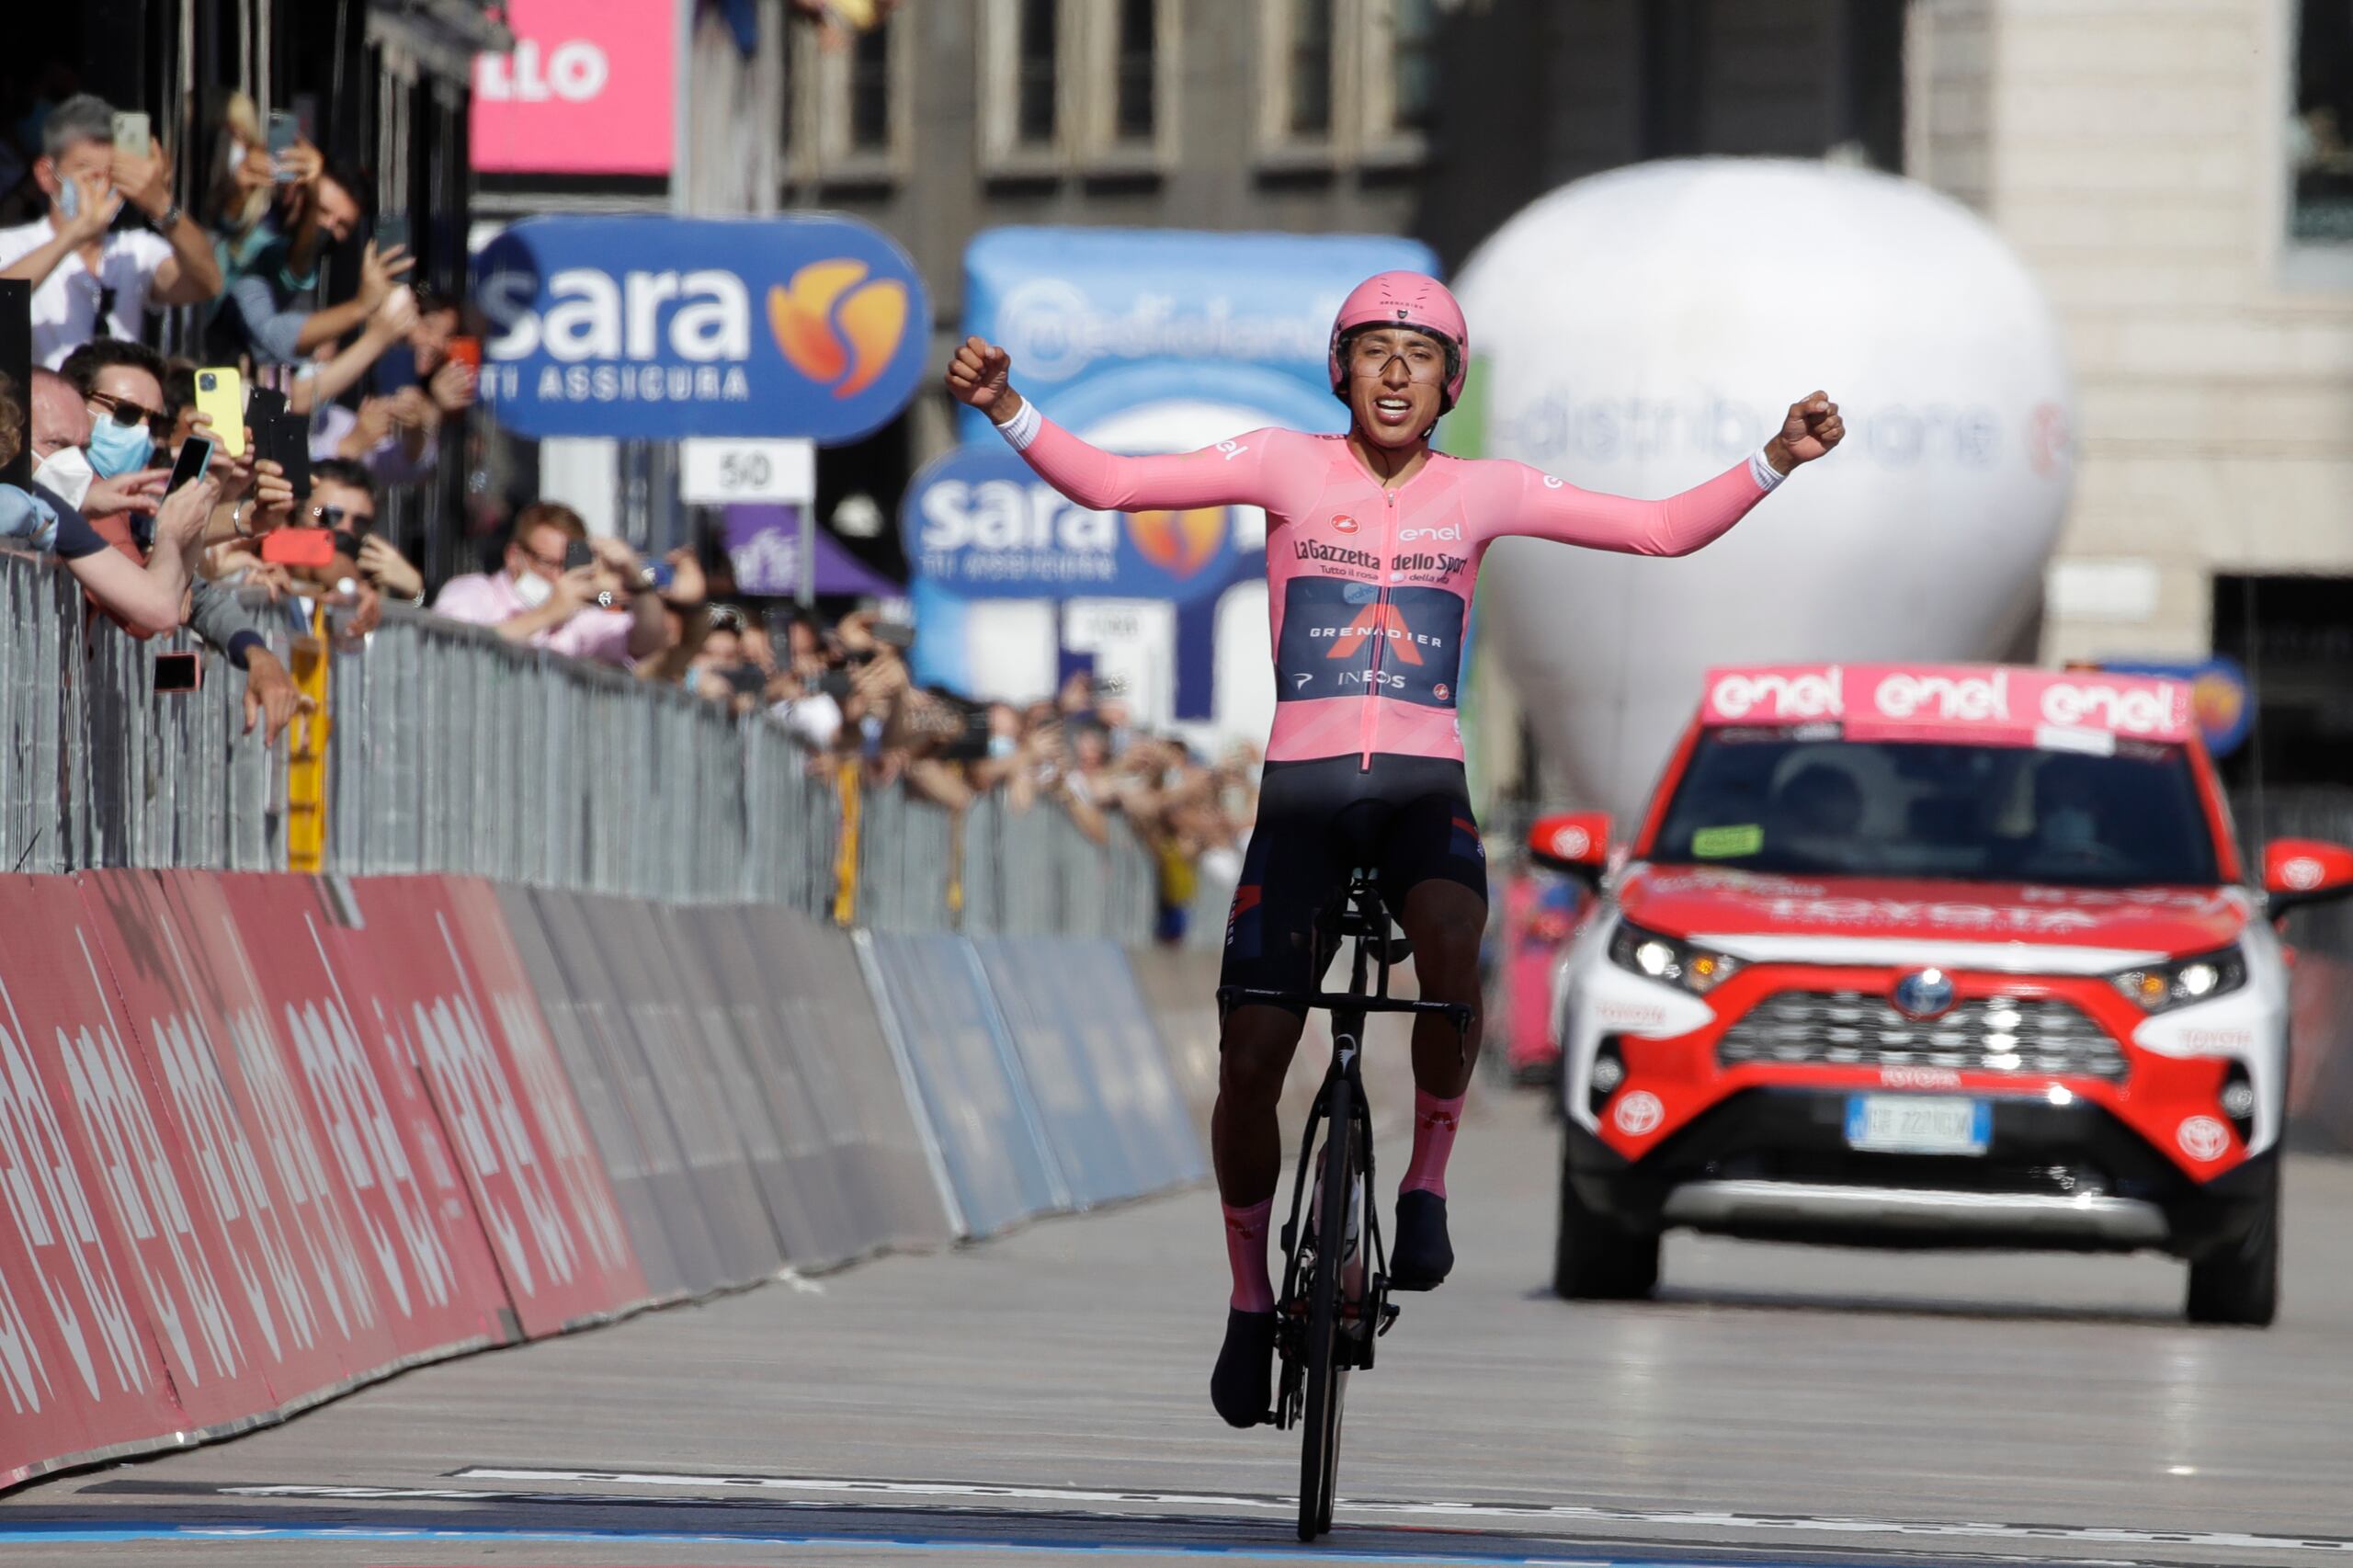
764,546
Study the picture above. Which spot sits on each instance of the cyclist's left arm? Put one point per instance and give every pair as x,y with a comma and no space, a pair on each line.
1513,498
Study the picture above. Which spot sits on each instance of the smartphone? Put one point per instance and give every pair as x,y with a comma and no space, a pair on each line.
298,547
577,554
131,132
285,439
749,679
221,396
261,402
196,456
285,130
467,351
392,229
178,672
835,684
68,199
894,634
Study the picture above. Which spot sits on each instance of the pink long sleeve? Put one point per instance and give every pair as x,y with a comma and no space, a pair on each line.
1232,474
1514,498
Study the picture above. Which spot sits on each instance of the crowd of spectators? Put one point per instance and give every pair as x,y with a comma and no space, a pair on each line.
374,377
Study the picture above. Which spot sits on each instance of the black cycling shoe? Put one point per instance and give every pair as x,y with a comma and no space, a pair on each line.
1422,1255
1242,1387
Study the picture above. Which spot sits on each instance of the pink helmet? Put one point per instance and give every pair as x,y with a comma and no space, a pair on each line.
1404,298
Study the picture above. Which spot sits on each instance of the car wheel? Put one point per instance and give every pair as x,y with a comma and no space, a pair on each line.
2241,1284
1596,1259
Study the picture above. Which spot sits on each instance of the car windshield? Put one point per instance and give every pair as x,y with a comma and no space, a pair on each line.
1773,800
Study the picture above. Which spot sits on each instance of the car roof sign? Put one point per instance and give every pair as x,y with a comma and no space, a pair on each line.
1990,704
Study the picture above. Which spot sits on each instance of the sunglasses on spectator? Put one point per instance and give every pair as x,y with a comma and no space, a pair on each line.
337,516
124,412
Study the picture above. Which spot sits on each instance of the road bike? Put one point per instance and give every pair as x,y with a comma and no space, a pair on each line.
1334,1299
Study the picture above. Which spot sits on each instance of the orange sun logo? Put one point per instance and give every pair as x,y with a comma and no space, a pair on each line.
825,303
1179,544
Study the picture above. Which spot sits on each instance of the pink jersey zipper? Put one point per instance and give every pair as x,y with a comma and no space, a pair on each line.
1379,630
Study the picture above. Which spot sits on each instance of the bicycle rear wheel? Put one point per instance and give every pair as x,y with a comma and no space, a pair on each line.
1327,1377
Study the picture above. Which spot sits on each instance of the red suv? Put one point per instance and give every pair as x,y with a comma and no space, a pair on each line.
1931,956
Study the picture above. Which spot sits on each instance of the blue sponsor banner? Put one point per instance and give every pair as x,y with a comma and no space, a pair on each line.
2219,697
1100,320
659,328
978,522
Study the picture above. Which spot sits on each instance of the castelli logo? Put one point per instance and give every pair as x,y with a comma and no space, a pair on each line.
2203,1138
2131,710
1571,843
1778,696
2303,873
1961,698
1344,523
1638,1114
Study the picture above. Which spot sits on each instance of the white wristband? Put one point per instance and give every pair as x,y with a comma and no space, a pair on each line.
1023,428
1762,470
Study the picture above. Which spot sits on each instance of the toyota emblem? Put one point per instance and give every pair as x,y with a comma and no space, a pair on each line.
1925,994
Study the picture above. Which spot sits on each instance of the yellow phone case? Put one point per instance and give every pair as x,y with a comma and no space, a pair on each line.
221,396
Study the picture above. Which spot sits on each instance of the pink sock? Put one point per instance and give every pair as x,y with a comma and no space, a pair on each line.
1245,1254
1434,1123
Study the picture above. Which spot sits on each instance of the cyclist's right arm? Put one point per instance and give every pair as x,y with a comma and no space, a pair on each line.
1232,474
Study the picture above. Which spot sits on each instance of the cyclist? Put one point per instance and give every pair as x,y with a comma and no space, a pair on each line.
1373,544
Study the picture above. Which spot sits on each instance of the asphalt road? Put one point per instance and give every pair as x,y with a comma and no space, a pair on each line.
1045,1394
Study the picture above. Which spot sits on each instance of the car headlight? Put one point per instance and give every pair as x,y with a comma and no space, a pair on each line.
2161,986
1653,956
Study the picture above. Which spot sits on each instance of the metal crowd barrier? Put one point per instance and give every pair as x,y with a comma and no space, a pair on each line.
450,750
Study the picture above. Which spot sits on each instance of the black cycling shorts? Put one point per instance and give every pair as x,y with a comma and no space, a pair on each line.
1408,817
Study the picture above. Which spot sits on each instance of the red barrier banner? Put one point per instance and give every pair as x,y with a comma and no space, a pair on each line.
384,1147
308,1315
538,1186
81,1375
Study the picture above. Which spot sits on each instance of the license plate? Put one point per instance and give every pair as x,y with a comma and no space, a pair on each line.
1918,1124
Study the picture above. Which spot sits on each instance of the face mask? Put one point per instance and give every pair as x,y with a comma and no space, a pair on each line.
2071,829
119,448
534,590
67,471
1003,745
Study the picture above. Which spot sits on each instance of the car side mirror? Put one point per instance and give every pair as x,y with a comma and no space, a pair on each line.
1573,842
2301,871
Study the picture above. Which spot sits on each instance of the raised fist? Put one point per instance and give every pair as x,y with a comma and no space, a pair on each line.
977,376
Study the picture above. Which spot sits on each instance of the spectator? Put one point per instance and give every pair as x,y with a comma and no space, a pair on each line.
397,434
149,599
343,499
272,269
550,597
87,278
124,382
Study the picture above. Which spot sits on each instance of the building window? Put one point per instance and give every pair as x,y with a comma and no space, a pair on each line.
1037,73
870,91
1413,65
1349,81
1134,90
1310,57
1076,86
847,101
2319,138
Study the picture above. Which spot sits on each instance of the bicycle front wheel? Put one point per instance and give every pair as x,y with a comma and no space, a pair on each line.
1327,1379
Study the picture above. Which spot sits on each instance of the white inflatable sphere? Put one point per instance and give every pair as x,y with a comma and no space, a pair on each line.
1642,331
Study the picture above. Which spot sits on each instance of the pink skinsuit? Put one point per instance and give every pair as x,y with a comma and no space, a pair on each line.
1369,589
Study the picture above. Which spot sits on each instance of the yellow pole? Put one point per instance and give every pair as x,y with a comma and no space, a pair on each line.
845,851
306,752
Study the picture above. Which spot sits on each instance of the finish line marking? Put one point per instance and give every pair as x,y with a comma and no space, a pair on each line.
1583,1513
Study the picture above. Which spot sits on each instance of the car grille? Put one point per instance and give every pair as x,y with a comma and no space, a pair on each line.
1995,1034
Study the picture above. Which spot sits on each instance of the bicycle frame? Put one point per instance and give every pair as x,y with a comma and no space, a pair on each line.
1364,1311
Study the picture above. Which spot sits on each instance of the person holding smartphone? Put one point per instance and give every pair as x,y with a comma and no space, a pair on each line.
549,593
89,278
273,268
